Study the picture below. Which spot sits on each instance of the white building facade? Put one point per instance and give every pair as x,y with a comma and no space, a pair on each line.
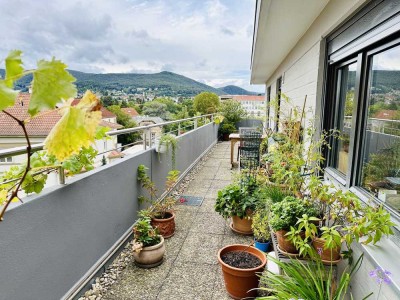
343,56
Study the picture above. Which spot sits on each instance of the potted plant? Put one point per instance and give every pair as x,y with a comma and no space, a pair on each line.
148,245
284,215
342,218
225,129
240,267
165,143
261,230
311,281
237,201
161,210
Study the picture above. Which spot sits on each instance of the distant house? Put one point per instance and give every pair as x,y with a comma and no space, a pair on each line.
130,111
155,132
11,135
253,105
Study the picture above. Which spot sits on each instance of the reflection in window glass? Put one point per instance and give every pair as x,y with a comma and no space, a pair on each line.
345,99
381,158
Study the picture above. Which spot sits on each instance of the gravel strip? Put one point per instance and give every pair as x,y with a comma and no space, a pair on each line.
104,282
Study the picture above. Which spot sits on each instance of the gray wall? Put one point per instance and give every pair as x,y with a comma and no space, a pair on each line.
51,241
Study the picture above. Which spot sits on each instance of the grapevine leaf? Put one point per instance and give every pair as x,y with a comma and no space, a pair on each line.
14,69
7,95
51,85
75,129
3,197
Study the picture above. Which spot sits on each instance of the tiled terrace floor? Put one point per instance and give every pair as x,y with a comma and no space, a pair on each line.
190,269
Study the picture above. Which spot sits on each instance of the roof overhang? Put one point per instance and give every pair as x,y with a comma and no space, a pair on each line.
278,26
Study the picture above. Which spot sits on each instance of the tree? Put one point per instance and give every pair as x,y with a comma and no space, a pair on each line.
156,109
206,103
172,107
124,104
107,101
126,121
233,111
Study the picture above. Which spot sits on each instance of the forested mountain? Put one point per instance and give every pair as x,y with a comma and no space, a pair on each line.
235,90
161,84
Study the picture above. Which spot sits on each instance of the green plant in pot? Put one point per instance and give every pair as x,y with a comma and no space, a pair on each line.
261,230
148,245
161,210
225,129
165,143
343,218
237,201
284,215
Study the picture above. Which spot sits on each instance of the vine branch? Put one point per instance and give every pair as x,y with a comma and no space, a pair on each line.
14,193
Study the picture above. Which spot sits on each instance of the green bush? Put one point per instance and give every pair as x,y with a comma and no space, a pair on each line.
285,214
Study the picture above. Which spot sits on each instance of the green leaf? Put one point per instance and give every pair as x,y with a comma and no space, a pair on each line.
14,69
51,85
76,128
7,95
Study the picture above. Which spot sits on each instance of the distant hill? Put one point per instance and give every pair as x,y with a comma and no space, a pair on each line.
235,90
163,83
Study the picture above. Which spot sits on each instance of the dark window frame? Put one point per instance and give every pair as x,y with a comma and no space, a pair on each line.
381,38
268,106
278,102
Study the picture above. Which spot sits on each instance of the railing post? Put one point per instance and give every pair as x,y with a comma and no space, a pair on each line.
179,129
195,123
61,175
144,139
212,118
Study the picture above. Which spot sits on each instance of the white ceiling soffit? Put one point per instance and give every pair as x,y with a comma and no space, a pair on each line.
279,25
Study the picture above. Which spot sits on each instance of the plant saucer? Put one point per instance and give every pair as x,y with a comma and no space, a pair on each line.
331,262
239,231
294,255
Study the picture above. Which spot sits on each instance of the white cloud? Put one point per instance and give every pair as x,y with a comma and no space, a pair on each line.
204,40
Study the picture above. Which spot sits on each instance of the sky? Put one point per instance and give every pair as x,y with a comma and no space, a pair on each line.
207,40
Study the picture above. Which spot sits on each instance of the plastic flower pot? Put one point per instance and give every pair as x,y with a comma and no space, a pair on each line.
262,246
160,148
241,283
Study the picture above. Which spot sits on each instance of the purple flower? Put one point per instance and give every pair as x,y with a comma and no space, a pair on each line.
381,275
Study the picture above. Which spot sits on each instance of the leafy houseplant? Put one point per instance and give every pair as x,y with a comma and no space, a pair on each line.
343,219
238,202
165,143
309,281
261,231
284,215
52,87
148,245
161,213
225,129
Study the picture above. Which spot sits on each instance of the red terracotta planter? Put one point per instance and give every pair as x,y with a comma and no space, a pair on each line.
240,283
166,227
242,226
327,255
284,244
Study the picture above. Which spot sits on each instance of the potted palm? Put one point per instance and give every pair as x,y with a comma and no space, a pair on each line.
148,245
161,210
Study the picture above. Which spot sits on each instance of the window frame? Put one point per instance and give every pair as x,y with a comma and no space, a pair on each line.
360,118
278,102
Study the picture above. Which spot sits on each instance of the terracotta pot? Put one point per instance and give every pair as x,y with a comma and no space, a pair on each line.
150,257
326,254
166,227
242,226
284,243
240,283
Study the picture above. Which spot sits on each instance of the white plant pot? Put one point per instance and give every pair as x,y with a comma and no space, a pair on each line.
160,149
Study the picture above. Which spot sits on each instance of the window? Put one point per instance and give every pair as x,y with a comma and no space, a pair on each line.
363,103
6,160
380,169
